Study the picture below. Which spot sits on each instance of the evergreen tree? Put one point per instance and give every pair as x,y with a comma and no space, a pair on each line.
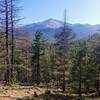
37,51
63,40
77,71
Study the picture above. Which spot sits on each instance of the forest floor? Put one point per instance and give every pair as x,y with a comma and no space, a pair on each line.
27,93
19,93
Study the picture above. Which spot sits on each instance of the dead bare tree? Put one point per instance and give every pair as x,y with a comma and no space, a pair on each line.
8,21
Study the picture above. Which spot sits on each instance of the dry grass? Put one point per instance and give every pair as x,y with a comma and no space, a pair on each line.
27,92
8,93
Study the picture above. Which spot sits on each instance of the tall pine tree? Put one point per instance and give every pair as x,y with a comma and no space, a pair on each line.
63,40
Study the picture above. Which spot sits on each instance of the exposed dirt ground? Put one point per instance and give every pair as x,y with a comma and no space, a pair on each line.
18,94
27,93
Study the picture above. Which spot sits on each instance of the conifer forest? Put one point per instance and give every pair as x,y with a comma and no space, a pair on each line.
36,67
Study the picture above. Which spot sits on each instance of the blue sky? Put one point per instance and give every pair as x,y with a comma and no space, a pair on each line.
78,11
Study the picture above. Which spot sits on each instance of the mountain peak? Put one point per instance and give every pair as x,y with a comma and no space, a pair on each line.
51,19
53,23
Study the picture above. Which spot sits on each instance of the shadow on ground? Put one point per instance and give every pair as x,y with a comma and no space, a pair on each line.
49,97
55,96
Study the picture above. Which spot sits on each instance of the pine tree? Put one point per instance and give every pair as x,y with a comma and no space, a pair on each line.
37,51
77,69
63,40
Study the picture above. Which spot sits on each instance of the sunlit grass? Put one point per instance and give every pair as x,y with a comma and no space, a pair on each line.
2,89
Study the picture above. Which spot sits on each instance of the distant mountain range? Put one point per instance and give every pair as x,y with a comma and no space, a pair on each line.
52,26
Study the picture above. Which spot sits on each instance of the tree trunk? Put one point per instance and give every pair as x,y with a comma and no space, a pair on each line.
38,69
64,81
7,76
12,42
80,80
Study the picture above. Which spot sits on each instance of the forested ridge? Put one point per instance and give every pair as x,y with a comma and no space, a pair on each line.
66,68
